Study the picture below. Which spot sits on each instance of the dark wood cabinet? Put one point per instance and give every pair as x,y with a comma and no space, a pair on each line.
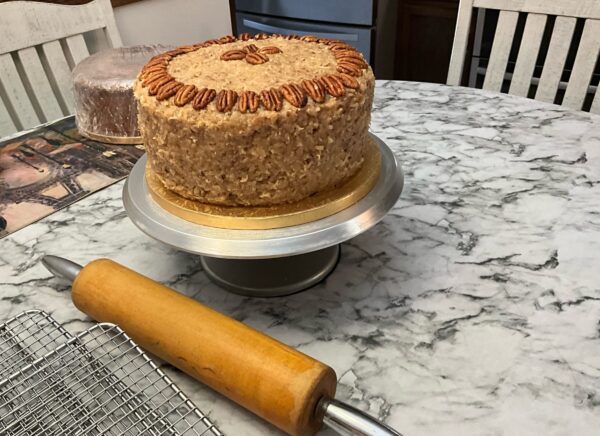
425,32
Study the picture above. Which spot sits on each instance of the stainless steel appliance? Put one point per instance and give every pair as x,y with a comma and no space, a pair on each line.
368,25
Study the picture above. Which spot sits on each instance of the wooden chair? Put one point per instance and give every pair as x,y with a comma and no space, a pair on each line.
40,44
567,12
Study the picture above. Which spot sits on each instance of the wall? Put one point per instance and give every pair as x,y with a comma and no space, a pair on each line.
172,22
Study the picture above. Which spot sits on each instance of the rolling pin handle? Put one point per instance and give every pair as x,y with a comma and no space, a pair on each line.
61,267
349,421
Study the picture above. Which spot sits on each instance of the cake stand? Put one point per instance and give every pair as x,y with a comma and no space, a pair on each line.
269,262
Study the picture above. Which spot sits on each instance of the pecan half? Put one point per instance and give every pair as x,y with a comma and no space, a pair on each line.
243,102
327,41
267,100
271,99
348,68
158,62
251,48
248,101
339,46
294,94
227,39
151,70
226,99
333,84
154,77
256,58
277,98
154,65
353,60
177,52
347,53
233,55
260,36
185,94
253,101
160,57
187,48
309,38
290,37
244,36
168,90
269,50
154,87
314,89
210,42
348,81
203,98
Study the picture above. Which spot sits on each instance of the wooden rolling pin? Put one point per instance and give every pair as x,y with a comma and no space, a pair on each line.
280,384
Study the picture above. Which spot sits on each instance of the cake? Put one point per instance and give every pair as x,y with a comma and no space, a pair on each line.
255,121
105,108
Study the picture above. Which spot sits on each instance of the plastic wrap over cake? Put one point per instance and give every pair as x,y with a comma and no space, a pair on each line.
105,109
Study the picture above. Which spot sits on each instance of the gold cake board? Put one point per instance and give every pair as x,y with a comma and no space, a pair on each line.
313,208
117,140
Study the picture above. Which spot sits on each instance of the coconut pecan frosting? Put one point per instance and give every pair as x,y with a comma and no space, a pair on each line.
349,65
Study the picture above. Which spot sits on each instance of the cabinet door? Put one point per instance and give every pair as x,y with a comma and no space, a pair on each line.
425,32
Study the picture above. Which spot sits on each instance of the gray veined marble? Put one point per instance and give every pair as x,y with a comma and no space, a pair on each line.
472,309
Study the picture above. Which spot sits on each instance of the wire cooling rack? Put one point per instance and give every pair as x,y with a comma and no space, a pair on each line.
98,382
26,337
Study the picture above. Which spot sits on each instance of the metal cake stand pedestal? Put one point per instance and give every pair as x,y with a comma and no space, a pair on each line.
271,262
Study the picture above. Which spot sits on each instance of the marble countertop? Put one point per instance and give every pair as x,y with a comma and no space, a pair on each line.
473,308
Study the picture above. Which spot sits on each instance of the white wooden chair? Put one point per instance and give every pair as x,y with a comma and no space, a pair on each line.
40,43
567,12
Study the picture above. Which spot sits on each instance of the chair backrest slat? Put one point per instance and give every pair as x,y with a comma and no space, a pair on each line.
596,103
583,68
566,8
461,39
562,34
39,85
7,125
525,74
61,72
528,53
111,31
40,43
507,22
16,93
77,48
42,22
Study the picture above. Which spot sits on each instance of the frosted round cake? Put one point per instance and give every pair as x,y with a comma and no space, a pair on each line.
105,108
255,121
